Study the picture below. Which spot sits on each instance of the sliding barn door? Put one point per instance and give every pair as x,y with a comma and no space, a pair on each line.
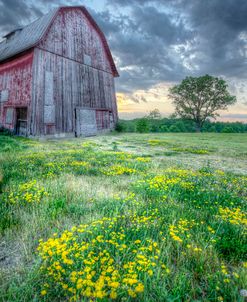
85,122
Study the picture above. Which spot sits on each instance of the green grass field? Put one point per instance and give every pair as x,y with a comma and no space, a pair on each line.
131,217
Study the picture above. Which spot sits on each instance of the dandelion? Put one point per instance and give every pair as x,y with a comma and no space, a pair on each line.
43,292
139,288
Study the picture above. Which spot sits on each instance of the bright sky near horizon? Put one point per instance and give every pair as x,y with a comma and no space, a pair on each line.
156,43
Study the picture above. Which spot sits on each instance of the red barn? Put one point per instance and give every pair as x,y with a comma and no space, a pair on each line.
57,77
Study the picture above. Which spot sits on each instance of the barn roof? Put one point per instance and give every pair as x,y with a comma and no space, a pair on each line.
26,38
30,35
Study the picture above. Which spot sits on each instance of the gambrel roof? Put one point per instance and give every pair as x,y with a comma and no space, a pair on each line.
27,37
30,35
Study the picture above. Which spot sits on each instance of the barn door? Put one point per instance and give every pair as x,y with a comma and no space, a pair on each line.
21,121
85,122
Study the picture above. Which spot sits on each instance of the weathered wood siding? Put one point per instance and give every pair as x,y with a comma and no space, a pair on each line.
72,36
74,85
15,88
64,78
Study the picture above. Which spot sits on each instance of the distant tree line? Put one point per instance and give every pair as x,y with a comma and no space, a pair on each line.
172,124
196,100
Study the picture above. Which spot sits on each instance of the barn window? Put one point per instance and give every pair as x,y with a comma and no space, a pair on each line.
87,60
49,108
49,114
49,99
4,95
9,115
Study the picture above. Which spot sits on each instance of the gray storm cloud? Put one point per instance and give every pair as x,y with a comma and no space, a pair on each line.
156,40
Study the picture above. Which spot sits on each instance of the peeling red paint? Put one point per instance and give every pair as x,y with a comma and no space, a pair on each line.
16,78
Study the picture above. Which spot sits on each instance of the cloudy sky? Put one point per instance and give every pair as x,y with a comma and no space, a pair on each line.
156,43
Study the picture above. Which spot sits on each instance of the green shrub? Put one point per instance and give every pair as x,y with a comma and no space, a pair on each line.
174,128
120,127
164,128
227,129
4,131
142,125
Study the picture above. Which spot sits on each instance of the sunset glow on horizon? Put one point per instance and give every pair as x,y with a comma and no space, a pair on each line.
155,44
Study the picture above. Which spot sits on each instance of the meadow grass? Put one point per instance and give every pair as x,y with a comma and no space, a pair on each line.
132,217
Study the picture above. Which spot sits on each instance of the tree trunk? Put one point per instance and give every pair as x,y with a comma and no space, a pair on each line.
198,127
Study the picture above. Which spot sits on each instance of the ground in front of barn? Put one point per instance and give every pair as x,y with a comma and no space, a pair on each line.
125,217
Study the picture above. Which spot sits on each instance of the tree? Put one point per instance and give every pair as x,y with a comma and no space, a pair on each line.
180,125
154,115
142,125
120,127
198,98
174,128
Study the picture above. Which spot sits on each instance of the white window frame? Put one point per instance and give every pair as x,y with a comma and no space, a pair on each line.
4,95
9,116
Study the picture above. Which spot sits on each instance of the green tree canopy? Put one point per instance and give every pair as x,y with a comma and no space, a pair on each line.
142,125
199,98
154,115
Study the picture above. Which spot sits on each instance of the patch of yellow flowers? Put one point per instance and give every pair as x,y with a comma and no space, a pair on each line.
80,164
118,170
143,159
191,150
163,183
233,216
99,261
176,231
29,192
156,142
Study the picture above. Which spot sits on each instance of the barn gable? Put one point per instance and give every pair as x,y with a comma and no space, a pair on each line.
35,33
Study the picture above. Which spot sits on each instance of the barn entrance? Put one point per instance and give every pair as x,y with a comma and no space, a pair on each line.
85,122
90,121
21,121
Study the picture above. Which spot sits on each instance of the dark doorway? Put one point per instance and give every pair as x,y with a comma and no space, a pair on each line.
75,123
21,121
